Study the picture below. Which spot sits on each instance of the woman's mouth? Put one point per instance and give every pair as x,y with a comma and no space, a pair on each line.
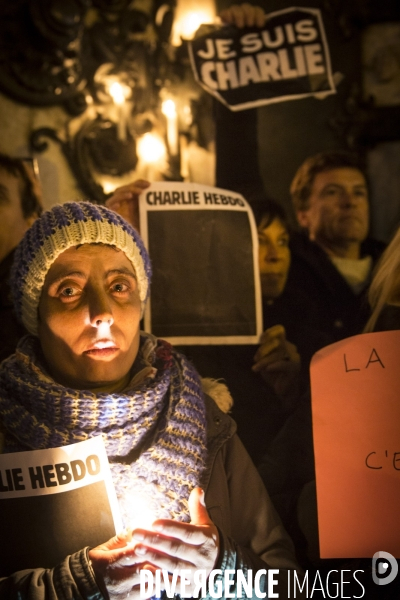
101,352
102,349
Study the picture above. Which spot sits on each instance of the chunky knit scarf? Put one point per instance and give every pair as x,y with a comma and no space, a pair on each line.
154,431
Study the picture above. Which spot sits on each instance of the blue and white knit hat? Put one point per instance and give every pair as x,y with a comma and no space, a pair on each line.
60,228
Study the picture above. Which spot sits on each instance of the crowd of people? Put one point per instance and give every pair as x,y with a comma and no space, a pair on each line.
80,279
229,493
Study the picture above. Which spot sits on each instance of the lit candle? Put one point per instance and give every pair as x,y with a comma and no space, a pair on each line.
151,151
169,110
117,93
139,511
189,15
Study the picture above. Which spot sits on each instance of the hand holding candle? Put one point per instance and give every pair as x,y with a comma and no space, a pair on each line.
181,546
169,545
117,567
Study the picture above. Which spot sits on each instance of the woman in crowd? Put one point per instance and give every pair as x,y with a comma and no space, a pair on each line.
80,280
285,316
384,291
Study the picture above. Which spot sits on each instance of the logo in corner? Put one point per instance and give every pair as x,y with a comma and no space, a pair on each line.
384,568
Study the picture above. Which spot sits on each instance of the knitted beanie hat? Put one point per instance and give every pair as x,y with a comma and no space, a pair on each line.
63,227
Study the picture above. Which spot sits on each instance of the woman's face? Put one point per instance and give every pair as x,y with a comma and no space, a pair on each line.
89,316
274,258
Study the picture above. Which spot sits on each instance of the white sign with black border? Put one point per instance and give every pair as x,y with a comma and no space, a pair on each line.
203,246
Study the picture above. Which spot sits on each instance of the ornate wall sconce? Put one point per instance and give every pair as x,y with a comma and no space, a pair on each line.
111,65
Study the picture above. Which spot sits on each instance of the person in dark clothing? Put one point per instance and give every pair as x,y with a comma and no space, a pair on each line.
288,467
332,260
276,356
331,265
20,205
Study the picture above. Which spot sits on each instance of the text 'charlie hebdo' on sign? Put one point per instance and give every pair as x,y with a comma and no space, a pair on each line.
195,197
287,59
54,470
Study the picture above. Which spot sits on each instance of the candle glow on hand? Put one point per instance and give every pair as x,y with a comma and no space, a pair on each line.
140,514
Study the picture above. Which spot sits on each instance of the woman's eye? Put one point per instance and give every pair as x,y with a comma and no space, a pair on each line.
119,287
69,292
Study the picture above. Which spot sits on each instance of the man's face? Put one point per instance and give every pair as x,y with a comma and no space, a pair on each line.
13,224
89,316
338,211
274,258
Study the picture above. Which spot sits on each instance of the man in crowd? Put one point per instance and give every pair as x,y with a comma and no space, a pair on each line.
20,205
333,259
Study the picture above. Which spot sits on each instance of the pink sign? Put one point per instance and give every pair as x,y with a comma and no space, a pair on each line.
356,423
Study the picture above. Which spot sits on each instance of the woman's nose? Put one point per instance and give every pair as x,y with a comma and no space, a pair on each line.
272,252
100,309
100,321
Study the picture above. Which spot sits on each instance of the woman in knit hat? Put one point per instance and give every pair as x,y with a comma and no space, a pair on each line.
80,281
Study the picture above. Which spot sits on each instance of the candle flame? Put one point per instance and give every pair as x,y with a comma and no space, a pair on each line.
143,517
139,512
108,186
117,92
168,108
150,148
188,21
